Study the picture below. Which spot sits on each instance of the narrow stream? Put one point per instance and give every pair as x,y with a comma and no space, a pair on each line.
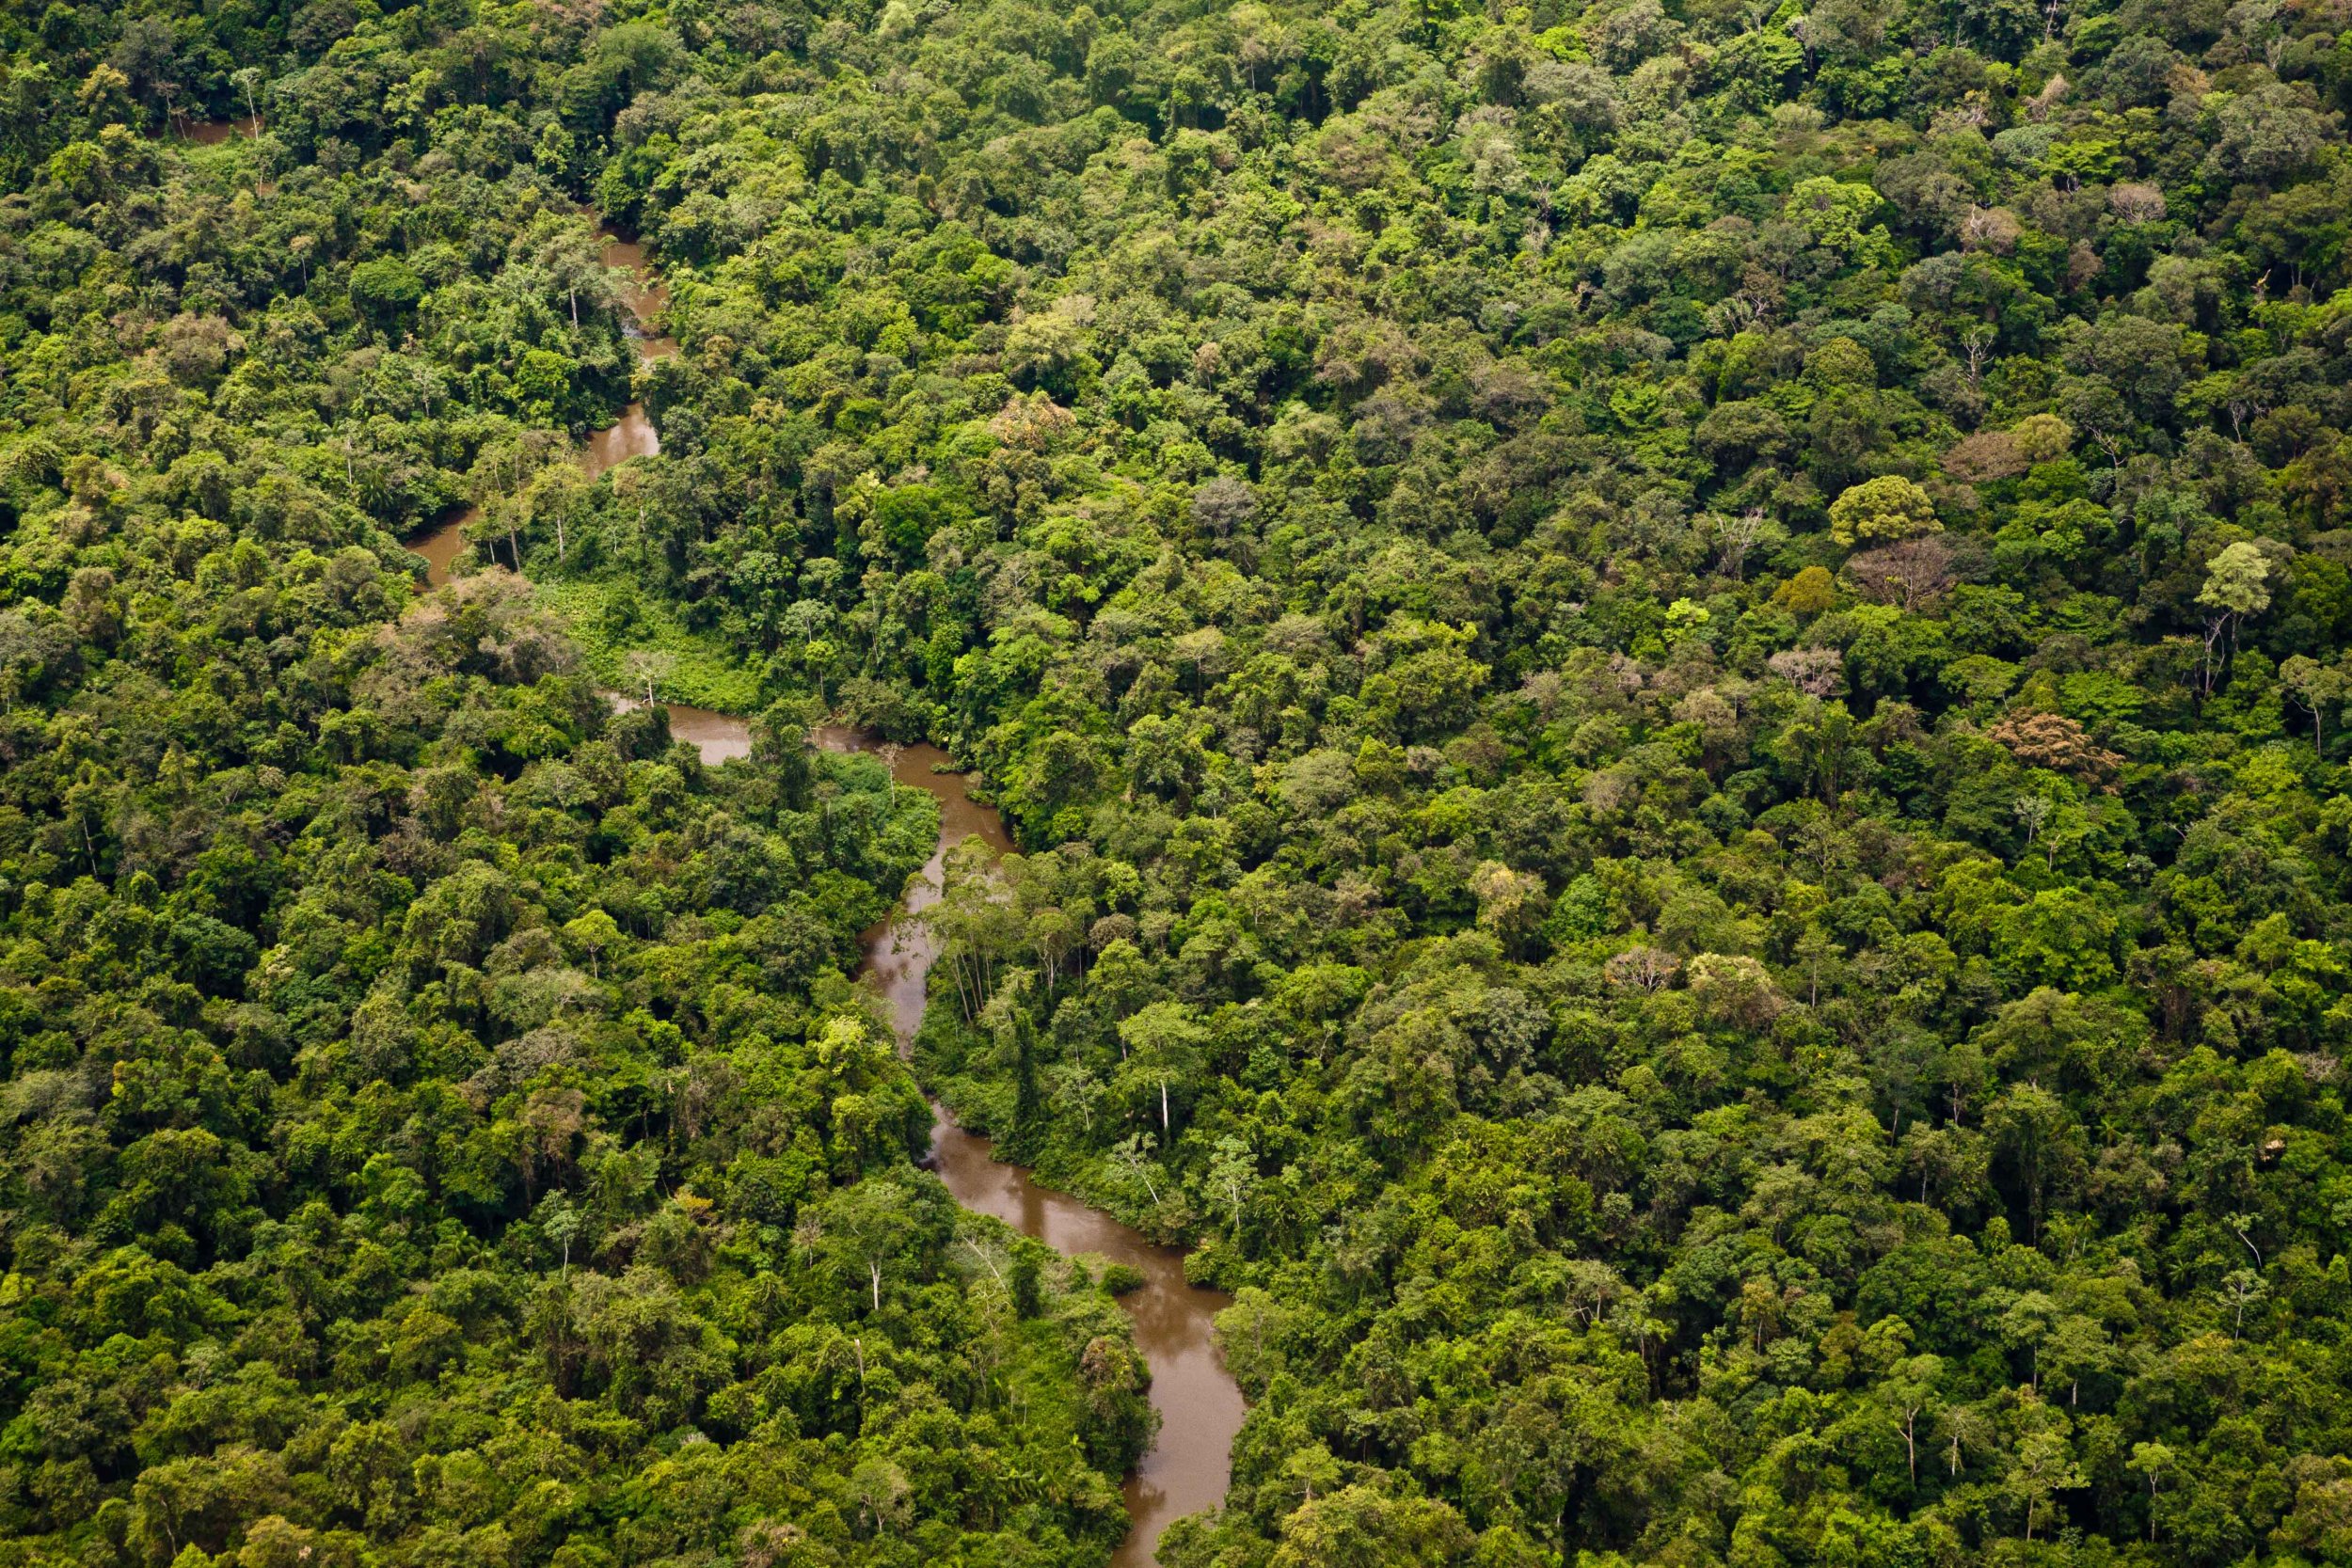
1199,1405
1201,1408
211,133
630,435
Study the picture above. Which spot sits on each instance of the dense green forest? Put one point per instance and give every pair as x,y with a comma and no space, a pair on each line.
1672,676
438,1127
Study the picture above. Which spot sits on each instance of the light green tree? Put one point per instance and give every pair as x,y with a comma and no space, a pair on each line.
2237,585
1884,509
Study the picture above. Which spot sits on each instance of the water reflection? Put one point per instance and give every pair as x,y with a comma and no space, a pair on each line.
630,435
441,544
643,293
719,737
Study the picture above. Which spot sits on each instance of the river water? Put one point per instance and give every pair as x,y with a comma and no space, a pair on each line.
630,435
1200,1406
211,133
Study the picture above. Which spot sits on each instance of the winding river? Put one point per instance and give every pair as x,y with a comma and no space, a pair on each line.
630,435
1201,1408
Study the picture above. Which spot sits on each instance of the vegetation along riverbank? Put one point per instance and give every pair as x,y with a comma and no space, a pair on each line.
1666,688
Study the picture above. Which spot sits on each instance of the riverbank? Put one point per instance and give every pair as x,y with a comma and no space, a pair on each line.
1199,1405
631,434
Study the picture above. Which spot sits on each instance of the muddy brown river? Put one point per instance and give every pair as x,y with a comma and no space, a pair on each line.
211,133
630,435
1200,1406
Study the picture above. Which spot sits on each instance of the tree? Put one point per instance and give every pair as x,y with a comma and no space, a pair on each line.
2315,687
2237,586
595,933
2029,1321
2038,1135
247,80
385,291
867,1229
1889,507
1510,903
562,1224
2055,742
2242,1289
1912,1395
2077,1347
1912,573
557,494
1356,1527
2151,1460
648,668
1160,1047
1232,1172
2044,1468
1134,1154
2033,811
885,1496
1735,989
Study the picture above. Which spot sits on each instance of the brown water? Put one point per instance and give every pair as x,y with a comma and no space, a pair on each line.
1201,1408
644,293
441,543
719,737
1199,1405
630,435
211,133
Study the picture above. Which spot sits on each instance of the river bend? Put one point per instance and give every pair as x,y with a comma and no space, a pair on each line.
1199,1405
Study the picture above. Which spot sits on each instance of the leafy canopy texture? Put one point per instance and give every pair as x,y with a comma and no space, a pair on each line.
1670,676
1889,507
438,1125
